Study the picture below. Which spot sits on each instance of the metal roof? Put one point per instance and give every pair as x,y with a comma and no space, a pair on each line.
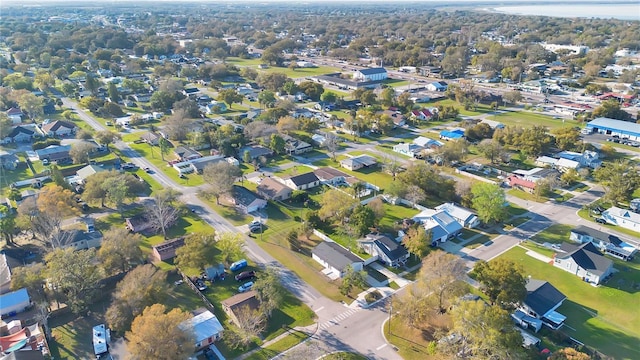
373,71
624,127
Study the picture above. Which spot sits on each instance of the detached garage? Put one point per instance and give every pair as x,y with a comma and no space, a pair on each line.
14,302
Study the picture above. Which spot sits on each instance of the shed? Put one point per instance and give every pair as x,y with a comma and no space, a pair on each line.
14,302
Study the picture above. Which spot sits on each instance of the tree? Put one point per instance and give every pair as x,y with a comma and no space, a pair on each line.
312,89
178,125
143,286
512,97
80,152
267,98
491,149
277,144
488,200
502,280
45,213
220,176
484,332
293,240
618,180
569,353
329,97
31,105
230,246
32,277
443,275
387,96
377,205
106,137
230,96
251,323
287,123
158,335
270,291
567,138
114,95
361,220
335,205
198,251
163,212
98,186
570,177
164,146
352,279
75,274
120,250
611,109
331,143
7,224
417,240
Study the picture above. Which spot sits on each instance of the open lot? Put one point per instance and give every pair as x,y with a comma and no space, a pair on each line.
526,119
603,317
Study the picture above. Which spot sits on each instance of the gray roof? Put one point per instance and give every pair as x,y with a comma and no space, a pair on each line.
542,296
372,71
597,234
304,179
329,173
612,124
243,196
390,248
53,149
20,129
587,257
74,236
335,255
89,170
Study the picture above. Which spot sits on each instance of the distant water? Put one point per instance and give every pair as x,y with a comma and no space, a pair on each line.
602,11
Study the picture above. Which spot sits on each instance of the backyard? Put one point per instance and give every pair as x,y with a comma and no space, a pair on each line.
599,316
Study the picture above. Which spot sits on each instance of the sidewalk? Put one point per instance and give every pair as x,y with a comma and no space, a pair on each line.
360,301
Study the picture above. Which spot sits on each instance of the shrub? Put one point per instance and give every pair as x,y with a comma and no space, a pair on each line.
44,143
373,296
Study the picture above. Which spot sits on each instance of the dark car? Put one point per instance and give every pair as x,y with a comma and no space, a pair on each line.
601,221
245,275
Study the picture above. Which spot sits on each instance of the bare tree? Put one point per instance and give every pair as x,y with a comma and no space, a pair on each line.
80,152
163,213
259,129
332,144
178,125
220,176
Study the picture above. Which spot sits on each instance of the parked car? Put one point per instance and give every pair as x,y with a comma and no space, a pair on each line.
246,275
238,265
601,220
245,287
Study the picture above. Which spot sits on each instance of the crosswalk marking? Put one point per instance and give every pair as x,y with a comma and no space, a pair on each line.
336,319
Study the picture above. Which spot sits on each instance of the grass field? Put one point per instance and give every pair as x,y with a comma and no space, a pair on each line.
555,234
153,155
526,119
601,316
371,175
411,343
292,73
268,352
395,213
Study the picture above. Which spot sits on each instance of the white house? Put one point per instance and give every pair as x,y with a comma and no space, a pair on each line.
15,115
358,162
465,217
441,225
623,218
59,128
609,244
370,74
408,149
541,303
426,143
584,261
246,200
384,249
438,86
206,327
303,181
335,259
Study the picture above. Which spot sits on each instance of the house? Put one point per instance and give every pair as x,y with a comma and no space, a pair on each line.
303,181
79,240
426,143
335,259
167,249
255,151
371,74
271,189
5,274
59,153
541,303
15,115
189,92
520,183
297,147
408,149
609,244
329,175
492,124
438,86
526,179
150,138
139,224
205,326
301,112
247,301
584,261
215,107
397,118
622,217
8,161
14,302
184,153
19,134
465,217
546,161
59,128
564,165
318,139
358,162
588,158
87,171
386,250
246,200
441,225
455,134
422,114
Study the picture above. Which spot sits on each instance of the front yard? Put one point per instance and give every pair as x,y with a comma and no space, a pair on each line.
602,317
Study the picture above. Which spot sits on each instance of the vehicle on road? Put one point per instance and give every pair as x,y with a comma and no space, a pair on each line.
601,220
246,275
240,264
148,170
245,287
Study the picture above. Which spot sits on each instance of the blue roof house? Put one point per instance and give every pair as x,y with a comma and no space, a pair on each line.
14,302
452,134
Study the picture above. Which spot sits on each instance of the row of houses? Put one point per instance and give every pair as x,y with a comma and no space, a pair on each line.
27,132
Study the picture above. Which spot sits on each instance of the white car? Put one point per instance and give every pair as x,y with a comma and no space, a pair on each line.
245,287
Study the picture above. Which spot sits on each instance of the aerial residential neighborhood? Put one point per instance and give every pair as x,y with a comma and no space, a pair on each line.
318,181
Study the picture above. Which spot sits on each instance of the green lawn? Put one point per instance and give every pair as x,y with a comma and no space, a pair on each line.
371,175
344,356
481,109
526,119
294,170
292,73
555,234
395,213
584,213
603,317
411,343
8,177
229,212
292,339
525,195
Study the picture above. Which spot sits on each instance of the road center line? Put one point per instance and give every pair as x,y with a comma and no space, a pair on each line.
381,347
